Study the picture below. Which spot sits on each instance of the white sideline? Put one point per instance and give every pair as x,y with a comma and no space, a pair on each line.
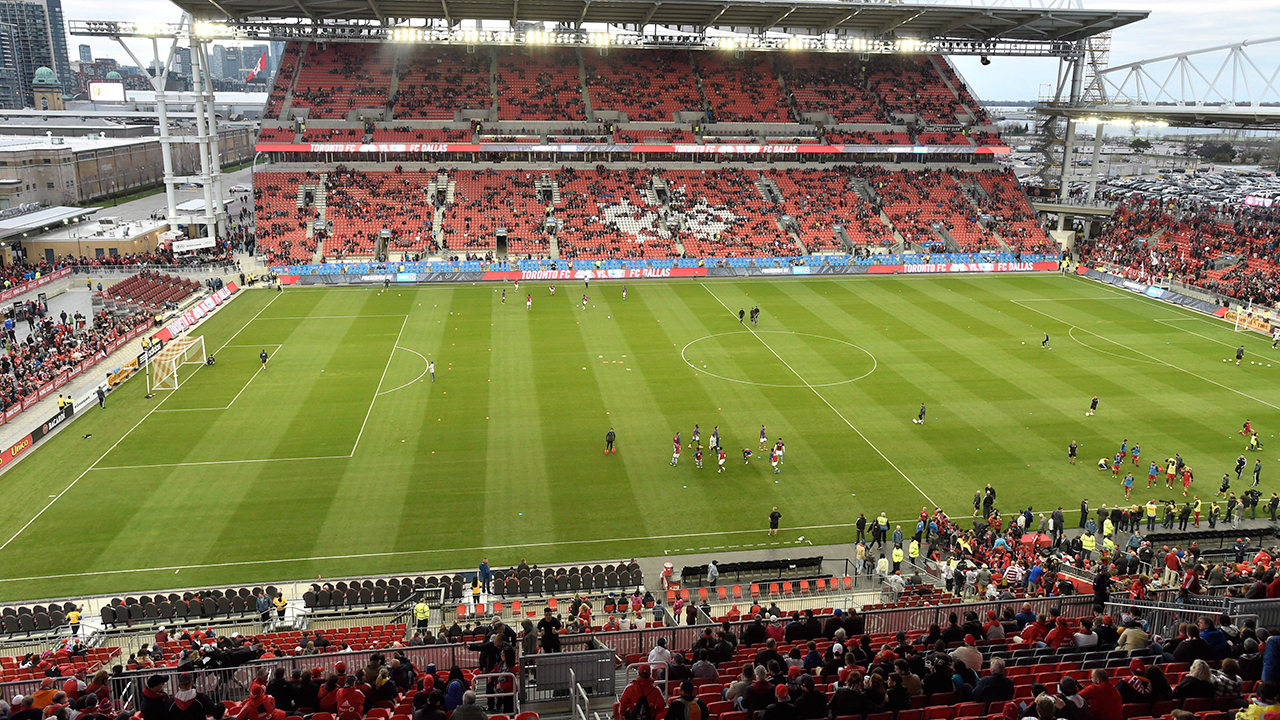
827,402
122,437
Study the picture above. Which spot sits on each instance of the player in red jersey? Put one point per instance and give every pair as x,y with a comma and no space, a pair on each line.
773,458
720,457
697,457
675,450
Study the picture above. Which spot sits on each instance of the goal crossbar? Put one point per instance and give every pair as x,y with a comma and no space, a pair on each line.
163,370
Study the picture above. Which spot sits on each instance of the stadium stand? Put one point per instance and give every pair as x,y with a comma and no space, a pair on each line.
284,135
420,135
150,291
334,79
53,348
604,215
488,200
284,78
647,86
910,85
539,85
820,200
926,207
363,204
742,89
435,82
1237,254
831,84
281,218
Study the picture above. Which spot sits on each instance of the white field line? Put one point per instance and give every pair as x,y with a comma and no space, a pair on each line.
65,490
219,462
277,347
378,390
433,551
420,375
825,401
330,317
1157,360
1163,321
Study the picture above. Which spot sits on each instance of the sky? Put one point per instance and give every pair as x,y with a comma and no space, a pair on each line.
1174,26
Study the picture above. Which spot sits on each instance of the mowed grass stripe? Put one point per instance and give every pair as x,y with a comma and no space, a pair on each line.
516,489
949,341
444,500
572,411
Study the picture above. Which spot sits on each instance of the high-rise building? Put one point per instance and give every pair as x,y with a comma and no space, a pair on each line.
217,60
181,60
86,54
277,52
33,47
10,85
231,64
249,55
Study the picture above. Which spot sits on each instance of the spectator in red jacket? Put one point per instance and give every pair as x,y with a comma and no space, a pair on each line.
642,690
1104,699
350,700
327,696
259,706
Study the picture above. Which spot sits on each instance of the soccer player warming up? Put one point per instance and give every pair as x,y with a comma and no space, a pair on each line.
1093,406
675,450
697,457
263,358
746,456
609,437
1071,452
764,438
774,456
720,459
920,417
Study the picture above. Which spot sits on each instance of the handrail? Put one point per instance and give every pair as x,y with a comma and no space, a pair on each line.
514,693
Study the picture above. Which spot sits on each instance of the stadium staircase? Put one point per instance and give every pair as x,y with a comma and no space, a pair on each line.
293,83
973,192
582,87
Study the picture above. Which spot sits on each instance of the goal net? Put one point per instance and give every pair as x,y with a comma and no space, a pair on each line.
164,369
1254,318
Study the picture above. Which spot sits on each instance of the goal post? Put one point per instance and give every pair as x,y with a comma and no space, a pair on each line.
164,369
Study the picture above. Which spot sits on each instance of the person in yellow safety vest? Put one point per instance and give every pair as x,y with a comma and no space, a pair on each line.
1088,544
913,550
1108,527
73,621
1109,546
422,613
279,603
897,558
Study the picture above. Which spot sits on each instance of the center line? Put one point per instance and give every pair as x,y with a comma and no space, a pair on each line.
824,400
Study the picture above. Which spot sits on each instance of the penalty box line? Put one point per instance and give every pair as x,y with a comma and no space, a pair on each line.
252,377
825,400
1153,358
128,432
404,321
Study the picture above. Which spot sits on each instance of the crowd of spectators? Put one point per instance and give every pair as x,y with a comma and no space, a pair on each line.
52,346
1150,238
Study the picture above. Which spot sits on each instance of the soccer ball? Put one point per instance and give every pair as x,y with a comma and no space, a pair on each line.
800,539
1024,342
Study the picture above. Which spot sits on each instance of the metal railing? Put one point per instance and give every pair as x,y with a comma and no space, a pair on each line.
1163,618
492,680
558,676
581,702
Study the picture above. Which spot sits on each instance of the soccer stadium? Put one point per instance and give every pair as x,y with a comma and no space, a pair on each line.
647,359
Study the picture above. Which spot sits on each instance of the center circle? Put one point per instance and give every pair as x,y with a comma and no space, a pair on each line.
823,361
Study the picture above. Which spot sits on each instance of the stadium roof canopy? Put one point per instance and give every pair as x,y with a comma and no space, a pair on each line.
922,21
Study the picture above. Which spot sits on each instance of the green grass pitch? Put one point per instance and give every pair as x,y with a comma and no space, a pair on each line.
343,458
